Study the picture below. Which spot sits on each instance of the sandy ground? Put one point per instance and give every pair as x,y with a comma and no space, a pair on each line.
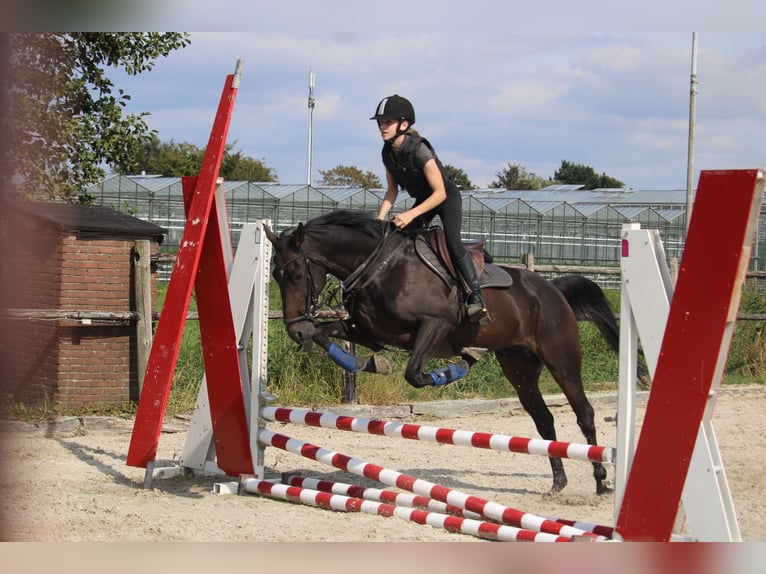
68,481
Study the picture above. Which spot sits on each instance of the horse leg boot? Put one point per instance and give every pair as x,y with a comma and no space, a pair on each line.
475,307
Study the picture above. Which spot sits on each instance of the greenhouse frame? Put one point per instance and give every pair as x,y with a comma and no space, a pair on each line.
558,225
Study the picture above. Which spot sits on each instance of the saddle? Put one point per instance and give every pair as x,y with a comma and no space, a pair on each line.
431,247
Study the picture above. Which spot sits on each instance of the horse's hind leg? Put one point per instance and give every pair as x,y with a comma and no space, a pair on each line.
566,371
430,336
522,368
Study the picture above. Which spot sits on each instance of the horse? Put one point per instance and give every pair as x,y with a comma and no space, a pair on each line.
394,299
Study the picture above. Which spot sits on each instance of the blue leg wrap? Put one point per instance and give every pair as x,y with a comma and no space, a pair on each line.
449,373
345,360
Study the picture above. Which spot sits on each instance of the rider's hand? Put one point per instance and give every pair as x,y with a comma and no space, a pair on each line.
402,220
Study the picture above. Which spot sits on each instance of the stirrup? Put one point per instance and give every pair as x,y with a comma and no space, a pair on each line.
476,309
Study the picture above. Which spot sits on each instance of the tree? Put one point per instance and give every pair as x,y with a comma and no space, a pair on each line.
459,177
346,175
574,173
168,159
516,176
173,159
63,118
238,167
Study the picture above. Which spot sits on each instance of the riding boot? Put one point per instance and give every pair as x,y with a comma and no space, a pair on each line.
475,307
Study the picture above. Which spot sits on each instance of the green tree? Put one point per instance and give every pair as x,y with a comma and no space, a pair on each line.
350,176
173,159
63,117
575,173
459,177
235,166
169,159
516,176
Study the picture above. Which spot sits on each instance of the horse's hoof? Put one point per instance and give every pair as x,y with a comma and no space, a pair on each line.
557,487
378,364
473,353
603,489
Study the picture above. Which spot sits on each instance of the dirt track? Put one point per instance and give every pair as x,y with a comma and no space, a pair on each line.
68,481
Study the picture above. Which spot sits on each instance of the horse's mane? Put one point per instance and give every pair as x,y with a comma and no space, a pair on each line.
348,218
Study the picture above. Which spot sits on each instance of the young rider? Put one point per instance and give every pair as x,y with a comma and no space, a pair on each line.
411,163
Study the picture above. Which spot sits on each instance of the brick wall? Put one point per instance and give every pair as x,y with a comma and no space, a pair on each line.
30,281
68,362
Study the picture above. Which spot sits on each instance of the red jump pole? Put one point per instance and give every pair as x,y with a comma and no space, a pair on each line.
197,243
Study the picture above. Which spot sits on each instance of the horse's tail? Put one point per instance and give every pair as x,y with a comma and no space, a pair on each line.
589,303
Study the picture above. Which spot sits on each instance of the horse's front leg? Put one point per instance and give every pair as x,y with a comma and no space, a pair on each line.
430,336
324,335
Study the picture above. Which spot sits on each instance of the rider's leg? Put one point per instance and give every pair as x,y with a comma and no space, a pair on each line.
451,213
475,307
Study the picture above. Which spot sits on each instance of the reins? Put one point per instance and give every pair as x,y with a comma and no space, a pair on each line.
356,276
347,287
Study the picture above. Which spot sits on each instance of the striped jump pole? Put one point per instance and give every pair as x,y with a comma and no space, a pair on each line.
499,442
380,495
416,501
490,510
481,529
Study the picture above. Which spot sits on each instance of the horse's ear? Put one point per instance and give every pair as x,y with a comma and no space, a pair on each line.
299,235
270,234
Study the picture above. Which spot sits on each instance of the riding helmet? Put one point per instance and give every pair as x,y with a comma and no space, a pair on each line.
395,108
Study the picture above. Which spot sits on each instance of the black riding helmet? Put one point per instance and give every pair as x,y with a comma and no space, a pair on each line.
395,108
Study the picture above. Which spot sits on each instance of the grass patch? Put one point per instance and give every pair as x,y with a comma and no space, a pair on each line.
311,379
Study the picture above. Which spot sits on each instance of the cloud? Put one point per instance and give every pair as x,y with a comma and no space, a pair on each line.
618,102
521,98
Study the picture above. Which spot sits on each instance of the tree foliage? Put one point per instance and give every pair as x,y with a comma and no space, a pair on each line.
516,176
575,173
347,175
63,117
459,177
173,159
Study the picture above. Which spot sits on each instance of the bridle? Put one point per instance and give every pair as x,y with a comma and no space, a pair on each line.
312,302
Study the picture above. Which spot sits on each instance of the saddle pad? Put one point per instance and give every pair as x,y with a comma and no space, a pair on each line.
492,276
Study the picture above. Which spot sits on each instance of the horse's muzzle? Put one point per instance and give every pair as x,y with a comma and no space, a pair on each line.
301,331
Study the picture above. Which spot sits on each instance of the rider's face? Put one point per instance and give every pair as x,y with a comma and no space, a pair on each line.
388,128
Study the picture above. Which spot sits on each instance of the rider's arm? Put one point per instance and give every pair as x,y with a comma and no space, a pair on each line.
392,191
438,195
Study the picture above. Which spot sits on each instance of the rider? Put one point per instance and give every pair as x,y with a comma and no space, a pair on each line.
411,163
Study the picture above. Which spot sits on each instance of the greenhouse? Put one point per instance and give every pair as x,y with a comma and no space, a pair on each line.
560,224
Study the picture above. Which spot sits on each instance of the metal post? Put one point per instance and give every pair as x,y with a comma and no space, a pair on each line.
311,120
692,114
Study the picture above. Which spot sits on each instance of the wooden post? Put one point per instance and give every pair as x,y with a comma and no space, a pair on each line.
528,260
349,379
142,278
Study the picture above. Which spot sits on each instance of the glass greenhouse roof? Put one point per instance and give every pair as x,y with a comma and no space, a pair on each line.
669,204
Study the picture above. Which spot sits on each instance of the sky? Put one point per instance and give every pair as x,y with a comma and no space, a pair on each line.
485,95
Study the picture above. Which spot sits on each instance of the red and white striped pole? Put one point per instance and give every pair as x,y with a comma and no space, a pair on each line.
380,495
491,510
499,442
487,530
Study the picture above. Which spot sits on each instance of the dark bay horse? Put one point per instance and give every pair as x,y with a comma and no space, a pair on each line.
394,299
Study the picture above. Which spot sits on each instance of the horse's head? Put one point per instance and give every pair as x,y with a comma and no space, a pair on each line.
301,278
